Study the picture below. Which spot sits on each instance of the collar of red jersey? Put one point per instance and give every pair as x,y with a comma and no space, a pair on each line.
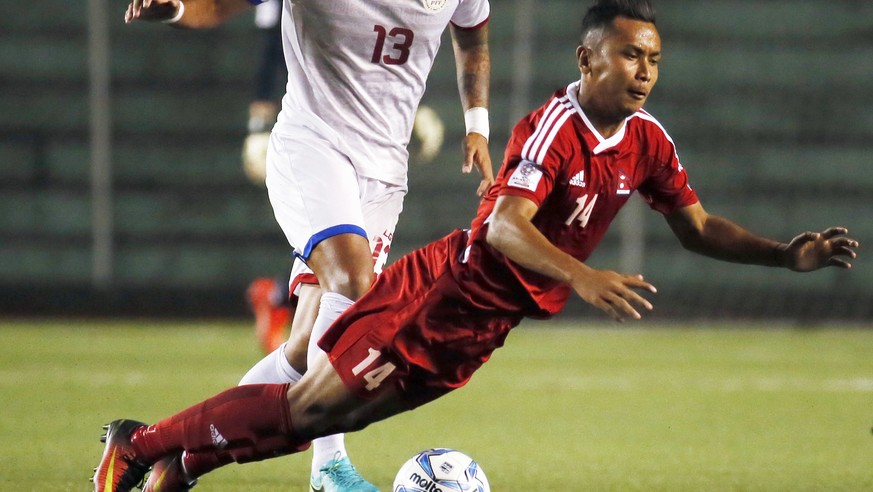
603,144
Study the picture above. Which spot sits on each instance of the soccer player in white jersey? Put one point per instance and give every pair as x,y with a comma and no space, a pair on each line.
337,160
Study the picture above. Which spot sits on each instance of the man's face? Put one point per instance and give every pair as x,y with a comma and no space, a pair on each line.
619,67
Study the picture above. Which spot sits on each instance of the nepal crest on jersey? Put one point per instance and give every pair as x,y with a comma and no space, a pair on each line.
434,5
623,188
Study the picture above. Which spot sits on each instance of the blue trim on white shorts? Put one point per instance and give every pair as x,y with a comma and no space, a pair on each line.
329,233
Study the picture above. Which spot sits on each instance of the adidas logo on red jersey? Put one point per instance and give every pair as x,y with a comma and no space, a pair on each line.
578,179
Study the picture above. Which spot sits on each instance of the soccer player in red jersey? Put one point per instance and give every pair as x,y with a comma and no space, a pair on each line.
436,315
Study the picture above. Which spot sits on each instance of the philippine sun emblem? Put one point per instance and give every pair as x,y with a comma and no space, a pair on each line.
434,5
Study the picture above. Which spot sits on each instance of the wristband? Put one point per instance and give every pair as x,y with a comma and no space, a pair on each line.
179,14
476,121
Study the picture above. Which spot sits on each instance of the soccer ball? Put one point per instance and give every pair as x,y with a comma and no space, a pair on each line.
441,470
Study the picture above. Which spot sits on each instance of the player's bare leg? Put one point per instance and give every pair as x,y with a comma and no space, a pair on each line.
344,267
322,403
328,452
297,348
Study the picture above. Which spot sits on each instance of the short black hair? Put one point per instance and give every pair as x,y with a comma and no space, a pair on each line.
601,15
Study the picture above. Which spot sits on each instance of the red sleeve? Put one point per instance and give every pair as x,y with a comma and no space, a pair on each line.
666,189
534,158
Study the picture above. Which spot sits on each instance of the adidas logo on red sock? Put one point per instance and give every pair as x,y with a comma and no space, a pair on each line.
217,439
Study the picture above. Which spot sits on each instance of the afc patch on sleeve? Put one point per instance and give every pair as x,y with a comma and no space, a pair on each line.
527,175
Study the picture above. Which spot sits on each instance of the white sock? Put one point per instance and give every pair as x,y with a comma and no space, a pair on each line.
331,307
327,448
272,369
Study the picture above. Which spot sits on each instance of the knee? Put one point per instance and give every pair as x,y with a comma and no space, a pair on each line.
343,264
350,283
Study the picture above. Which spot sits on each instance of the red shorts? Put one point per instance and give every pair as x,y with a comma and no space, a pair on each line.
416,330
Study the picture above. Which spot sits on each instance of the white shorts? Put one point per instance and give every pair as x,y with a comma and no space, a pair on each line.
316,194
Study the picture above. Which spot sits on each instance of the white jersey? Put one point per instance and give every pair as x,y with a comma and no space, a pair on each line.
357,71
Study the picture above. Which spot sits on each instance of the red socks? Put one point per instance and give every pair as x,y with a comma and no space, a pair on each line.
199,464
249,423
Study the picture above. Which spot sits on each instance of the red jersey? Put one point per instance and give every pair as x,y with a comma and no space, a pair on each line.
579,180
436,315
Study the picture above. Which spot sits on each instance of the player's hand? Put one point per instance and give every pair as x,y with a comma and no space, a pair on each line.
614,293
476,154
151,10
813,250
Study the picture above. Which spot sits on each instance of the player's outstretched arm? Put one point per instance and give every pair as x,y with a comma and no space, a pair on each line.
718,237
473,64
192,14
511,232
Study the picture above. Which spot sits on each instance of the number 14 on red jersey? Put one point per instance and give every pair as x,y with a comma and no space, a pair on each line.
583,210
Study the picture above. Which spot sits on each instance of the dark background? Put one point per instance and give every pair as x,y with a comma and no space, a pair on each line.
769,103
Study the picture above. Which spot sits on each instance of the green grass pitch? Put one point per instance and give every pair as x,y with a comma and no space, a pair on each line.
602,408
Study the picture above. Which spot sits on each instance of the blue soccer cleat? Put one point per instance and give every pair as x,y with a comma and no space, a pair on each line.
340,475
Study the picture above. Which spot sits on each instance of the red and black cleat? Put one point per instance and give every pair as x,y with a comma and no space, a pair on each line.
168,476
119,470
